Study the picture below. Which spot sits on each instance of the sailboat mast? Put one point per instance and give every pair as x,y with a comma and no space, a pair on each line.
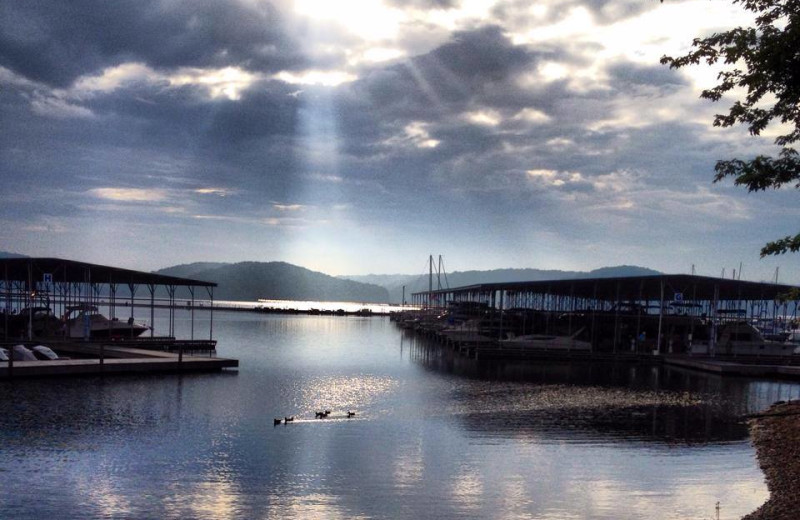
430,279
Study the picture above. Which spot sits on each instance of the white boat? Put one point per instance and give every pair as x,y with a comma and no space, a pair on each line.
44,353
742,338
22,353
551,342
794,337
86,321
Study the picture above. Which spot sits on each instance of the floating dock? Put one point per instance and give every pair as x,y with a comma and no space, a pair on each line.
115,360
150,365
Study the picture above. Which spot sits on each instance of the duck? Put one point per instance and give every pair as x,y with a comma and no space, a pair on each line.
320,415
327,413
350,414
276,421
288,419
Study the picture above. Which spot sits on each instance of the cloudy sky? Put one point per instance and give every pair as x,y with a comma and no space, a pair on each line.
362,135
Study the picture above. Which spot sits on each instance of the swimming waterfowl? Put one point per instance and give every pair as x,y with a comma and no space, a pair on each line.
288,419
276,421
350,414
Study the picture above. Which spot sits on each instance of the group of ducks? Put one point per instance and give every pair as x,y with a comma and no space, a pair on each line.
319,415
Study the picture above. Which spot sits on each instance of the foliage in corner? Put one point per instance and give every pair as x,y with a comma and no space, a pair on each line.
765,62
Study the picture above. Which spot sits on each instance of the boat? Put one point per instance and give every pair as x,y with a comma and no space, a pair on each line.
576,341
41,320
44,353
742,338
793,337
22,353
85,321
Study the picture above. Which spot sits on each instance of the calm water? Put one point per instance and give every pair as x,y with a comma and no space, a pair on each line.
434,437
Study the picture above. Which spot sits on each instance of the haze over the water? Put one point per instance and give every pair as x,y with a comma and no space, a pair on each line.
361,136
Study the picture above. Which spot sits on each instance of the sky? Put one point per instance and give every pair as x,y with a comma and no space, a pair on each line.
361,136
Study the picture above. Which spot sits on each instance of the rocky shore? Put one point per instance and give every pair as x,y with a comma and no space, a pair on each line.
776,437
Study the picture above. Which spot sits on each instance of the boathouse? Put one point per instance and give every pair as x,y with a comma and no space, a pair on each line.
87,311
656,314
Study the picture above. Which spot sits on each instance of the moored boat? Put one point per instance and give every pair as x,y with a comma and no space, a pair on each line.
576,341
87,322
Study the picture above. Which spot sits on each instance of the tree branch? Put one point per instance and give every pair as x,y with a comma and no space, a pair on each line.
784,245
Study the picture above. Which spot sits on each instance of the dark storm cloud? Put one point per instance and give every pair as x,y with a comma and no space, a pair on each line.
264,111
474,68
146,136
474,62
56,42
628,74
480,70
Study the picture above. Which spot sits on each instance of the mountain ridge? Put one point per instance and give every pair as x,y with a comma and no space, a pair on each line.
250,281
416,283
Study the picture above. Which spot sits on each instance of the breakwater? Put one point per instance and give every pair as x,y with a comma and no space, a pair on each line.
312,308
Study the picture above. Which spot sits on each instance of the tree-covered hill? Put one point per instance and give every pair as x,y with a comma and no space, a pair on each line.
250,281
415,283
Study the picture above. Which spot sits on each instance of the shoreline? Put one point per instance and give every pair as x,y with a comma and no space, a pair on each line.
776,437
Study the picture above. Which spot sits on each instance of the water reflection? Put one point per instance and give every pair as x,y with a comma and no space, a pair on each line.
38,410
409,465
342,393
212,499
591,402
315,505
467,490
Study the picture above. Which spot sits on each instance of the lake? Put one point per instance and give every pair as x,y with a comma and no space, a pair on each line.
433,436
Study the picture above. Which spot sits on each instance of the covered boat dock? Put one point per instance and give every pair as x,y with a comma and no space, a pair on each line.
37,296
656,314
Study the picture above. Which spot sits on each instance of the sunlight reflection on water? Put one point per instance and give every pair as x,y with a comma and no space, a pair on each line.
343,393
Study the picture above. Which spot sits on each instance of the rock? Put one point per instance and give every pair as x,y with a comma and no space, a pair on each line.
776,437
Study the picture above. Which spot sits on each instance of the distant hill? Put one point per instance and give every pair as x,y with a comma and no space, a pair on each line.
6,254
249,281
417,283
190,270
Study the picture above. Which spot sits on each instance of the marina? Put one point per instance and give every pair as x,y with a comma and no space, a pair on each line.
702,323
473,380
